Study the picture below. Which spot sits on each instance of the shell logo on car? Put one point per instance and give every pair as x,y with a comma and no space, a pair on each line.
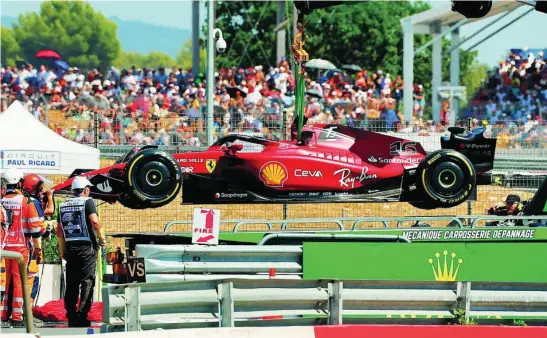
273,174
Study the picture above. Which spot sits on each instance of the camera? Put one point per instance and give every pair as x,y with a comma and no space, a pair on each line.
472,9
221,45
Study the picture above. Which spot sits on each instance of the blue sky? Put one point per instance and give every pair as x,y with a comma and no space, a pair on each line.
529,31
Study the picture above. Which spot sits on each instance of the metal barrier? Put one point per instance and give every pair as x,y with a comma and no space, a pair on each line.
29,320
338,221
278,302
383,238
197,262
171,262
459,221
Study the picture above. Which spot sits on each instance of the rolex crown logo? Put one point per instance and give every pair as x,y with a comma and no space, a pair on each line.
273,174
442,271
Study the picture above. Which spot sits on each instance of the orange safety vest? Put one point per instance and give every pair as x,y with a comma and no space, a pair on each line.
25,220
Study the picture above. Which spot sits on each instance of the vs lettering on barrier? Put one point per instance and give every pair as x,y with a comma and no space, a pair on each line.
206,226
136,271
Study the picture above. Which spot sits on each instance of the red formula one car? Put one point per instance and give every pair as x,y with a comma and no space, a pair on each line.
331,163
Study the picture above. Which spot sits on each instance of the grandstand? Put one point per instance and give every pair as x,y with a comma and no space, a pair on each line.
512,103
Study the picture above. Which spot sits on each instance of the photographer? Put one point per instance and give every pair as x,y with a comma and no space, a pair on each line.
512,206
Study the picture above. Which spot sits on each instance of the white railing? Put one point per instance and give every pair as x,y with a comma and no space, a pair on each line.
357,223
281,302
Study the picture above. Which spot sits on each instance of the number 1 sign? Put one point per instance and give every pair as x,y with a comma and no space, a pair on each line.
206,226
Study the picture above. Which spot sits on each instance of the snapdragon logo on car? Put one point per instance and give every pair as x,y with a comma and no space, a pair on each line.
373,159
233,195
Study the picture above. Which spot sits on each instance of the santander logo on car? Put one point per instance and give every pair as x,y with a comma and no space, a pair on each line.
411,160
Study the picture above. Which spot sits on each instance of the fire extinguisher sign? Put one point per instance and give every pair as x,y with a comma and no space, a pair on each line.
206,226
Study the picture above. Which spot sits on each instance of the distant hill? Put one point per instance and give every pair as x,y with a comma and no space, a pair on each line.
141,37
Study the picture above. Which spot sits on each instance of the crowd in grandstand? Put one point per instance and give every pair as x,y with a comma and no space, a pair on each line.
513,101
167,106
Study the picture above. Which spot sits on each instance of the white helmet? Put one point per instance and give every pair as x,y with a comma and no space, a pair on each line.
80,182
12,176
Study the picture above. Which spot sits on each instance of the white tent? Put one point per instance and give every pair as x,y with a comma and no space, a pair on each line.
29,145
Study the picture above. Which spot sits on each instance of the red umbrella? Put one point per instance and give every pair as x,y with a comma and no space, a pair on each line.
48,54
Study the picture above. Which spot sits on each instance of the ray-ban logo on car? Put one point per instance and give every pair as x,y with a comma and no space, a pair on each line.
104,186
347,179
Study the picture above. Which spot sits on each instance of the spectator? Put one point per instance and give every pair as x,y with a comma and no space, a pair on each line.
145,106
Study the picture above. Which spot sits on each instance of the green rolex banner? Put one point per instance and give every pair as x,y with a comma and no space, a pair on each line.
470,262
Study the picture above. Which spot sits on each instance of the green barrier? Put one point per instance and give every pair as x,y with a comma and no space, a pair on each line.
469,262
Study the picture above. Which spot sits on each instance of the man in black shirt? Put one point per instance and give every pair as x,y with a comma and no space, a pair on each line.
80,235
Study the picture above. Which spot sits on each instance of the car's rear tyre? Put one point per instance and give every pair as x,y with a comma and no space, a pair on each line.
152,179
444,179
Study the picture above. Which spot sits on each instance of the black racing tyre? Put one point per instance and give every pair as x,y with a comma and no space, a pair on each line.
444,179
152,179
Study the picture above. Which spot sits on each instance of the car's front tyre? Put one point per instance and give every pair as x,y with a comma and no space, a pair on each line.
152,179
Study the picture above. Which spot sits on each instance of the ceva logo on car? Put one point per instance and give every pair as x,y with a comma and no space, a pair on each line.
373,159
307,173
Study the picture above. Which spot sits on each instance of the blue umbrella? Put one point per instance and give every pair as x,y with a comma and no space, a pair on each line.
61,64
33,81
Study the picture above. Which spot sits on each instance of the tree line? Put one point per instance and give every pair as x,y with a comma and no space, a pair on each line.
82,36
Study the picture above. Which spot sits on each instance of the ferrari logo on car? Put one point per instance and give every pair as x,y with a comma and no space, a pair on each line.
210,165
273,174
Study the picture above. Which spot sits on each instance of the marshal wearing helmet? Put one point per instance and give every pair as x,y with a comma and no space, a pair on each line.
33,186
22,223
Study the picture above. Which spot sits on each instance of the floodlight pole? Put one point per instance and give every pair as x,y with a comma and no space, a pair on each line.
195,38
210,71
